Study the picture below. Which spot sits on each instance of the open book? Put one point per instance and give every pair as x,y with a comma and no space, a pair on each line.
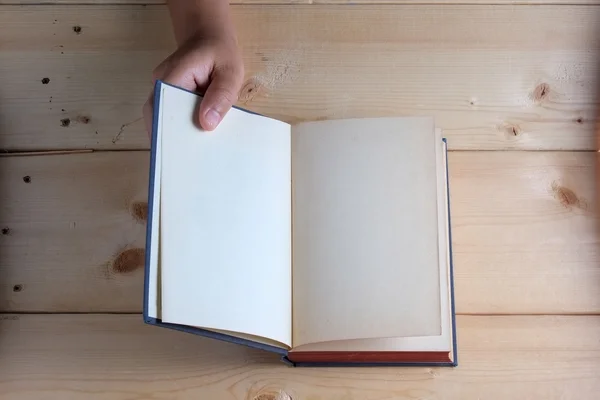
327,242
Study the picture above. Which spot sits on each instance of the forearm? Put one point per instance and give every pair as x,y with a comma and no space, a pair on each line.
207,18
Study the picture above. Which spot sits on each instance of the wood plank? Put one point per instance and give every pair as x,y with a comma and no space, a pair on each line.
70,235
524,232
117,357
494,77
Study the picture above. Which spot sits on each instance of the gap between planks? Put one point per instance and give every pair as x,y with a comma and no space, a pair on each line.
465,314
26,153
314,2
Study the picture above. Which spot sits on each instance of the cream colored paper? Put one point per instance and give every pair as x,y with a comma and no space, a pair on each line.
225,222
441,342
365,230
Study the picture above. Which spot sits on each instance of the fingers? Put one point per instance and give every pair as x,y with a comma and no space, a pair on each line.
189,72
221,95
220,77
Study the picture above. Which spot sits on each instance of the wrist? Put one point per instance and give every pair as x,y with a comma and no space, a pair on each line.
201,20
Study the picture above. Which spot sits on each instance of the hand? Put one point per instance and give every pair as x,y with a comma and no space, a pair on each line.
211,65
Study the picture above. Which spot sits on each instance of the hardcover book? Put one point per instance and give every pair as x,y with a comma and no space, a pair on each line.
326,242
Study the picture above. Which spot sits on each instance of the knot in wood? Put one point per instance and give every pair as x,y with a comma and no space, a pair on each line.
250,89
129,260
511,130
84,119
541,92
270,395
139,211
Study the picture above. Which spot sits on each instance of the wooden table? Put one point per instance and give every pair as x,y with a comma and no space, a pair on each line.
513,86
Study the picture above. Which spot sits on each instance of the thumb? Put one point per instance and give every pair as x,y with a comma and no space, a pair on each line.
221,94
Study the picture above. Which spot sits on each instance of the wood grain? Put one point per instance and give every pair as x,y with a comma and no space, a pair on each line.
524,232
117,357
519,221
494,77
70,235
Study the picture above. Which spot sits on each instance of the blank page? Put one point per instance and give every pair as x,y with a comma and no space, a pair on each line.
225,221
365,230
